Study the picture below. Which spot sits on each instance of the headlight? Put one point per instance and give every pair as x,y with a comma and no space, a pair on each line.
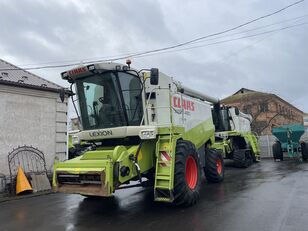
75,139
147,134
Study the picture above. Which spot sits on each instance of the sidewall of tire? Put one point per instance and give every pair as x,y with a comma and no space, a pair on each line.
210,168
183,195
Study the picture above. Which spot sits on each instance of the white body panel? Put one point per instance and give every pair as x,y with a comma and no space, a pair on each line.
241,122
187,111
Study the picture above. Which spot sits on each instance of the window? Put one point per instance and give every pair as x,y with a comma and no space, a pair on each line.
263,107
110,99
247,109
4,74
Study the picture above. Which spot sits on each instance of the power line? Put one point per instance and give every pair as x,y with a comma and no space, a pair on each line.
169,51
257,28
156,51
233,53
225,41
215,34
209,39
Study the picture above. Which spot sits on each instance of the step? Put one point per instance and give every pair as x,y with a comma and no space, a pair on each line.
162,187
163,177
163,199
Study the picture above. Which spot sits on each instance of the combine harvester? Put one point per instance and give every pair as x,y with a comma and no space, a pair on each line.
289,141
234,137
140,126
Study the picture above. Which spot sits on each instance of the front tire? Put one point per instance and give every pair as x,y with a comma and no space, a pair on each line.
187,174
214,168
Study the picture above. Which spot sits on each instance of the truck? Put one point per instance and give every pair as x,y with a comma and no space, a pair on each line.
233,136
139,128
289,141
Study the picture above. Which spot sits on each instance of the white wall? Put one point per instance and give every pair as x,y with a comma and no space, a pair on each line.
31,117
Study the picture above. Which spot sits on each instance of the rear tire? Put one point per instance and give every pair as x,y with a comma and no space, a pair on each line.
277,151
242,158
187,174
214,168
304,147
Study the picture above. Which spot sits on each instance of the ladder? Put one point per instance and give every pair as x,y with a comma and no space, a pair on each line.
165,160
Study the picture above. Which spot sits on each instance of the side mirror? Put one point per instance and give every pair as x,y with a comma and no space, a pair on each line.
62,94
154,76
237,111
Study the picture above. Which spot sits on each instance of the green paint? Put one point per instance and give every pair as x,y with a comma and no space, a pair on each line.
226,147
201,133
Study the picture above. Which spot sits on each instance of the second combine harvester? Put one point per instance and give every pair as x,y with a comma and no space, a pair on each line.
141,126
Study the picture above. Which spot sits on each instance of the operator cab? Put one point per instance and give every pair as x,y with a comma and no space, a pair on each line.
227,118
109,99
109,95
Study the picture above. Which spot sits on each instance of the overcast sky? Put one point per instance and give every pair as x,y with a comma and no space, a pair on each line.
38,32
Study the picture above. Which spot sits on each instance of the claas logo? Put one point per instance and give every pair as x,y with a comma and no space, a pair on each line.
77,71
186,104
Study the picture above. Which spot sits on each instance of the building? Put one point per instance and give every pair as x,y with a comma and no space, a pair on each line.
32,114
268,110
305,136
306,121
74,124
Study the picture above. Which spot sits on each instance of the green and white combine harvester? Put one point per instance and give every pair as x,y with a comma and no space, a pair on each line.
233,136
146,127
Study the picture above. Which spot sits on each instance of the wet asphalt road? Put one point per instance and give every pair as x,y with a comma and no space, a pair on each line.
267,196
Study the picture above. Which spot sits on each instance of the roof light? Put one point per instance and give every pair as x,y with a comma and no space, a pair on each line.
125,68
91,67
64,75
118,67
128,63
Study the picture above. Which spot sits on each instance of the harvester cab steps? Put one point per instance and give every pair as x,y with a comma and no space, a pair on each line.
163,187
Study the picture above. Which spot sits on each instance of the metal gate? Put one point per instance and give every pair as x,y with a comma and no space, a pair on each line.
30,159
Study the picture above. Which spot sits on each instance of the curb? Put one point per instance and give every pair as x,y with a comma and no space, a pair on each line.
12,198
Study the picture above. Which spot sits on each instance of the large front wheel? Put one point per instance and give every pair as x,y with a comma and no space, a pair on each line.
187,174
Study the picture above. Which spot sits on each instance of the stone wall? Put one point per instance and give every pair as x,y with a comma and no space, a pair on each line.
267,111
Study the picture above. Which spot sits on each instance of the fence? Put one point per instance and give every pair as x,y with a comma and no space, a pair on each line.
30,159
266,143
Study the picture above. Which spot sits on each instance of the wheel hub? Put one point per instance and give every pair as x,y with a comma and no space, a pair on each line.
191,172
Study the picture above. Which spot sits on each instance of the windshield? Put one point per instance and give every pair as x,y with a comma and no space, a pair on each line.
110,99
